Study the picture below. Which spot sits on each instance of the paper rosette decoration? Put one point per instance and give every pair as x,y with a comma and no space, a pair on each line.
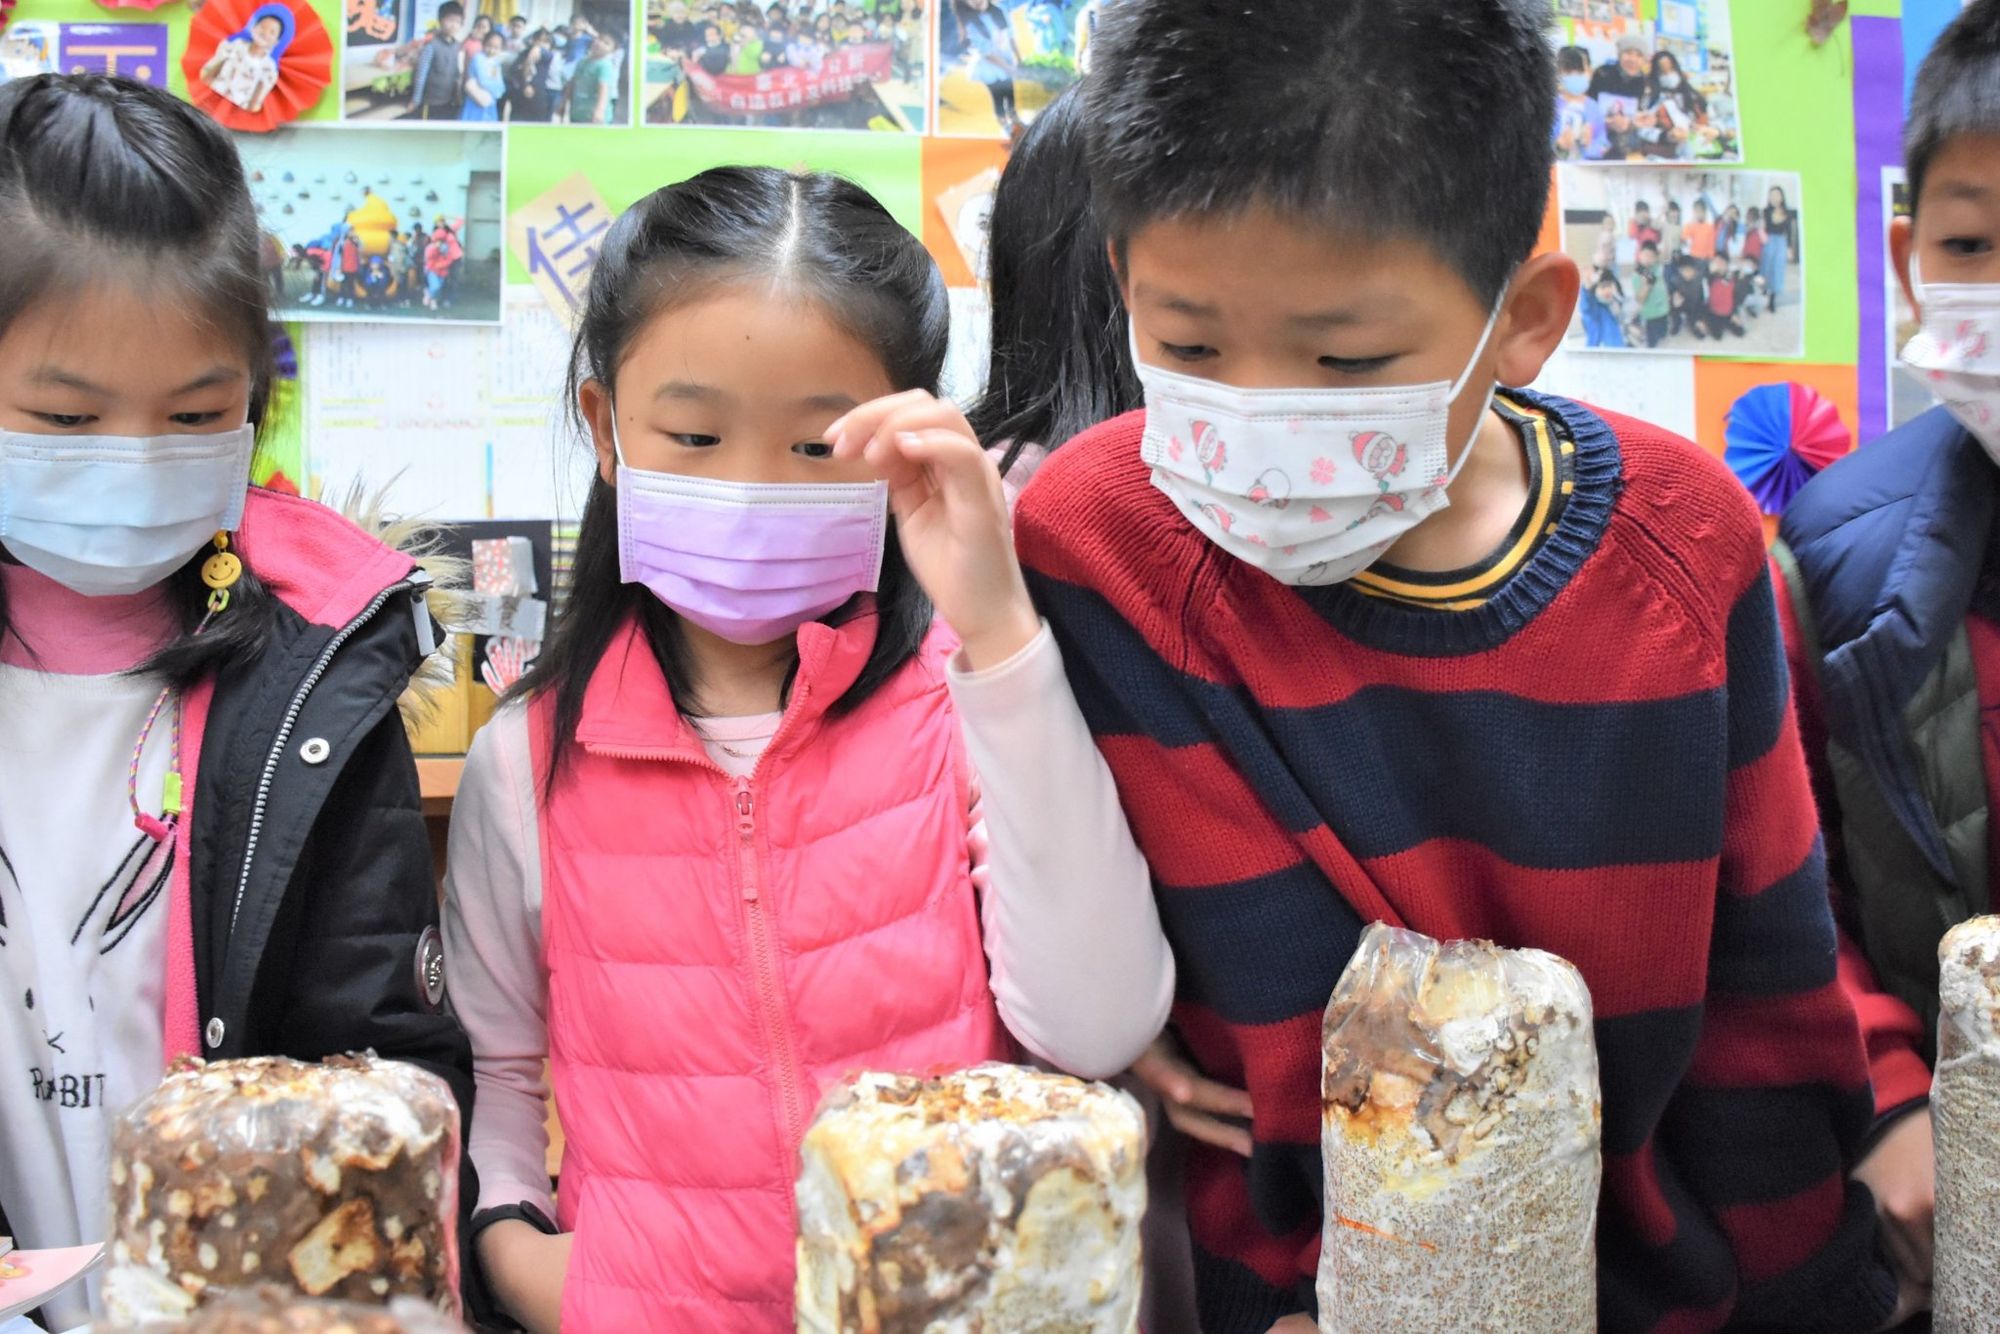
304,55
1779,436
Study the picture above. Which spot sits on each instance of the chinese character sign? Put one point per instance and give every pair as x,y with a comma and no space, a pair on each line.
557,236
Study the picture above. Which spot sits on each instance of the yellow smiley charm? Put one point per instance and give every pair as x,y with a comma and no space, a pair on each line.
221,570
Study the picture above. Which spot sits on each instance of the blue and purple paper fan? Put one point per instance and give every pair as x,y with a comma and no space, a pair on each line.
1779,436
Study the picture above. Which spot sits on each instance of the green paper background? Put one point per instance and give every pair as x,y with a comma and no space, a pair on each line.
1797,104
626,165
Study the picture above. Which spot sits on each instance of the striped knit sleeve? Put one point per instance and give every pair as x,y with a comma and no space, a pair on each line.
1776,1102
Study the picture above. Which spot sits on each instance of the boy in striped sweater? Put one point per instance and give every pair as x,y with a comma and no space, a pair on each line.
1364,640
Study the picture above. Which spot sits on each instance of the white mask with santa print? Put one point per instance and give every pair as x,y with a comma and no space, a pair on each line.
1311,486
1957,352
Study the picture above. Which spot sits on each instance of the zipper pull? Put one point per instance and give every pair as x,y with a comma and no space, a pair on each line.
746,829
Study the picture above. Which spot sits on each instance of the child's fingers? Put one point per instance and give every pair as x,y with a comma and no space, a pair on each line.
1207,1129
1208,1096
852,431
1166,1075
956,466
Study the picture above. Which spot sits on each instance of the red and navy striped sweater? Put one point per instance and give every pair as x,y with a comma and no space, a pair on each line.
1597,759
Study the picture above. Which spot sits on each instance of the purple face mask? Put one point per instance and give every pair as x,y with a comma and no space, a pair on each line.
751,562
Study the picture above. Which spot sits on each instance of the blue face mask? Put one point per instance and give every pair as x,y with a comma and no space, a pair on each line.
104,515
1576,85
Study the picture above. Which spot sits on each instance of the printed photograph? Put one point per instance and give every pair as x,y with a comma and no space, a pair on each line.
1598,11
1001,61
1647,91
244,69
797,65
414,236
254,65
28,49
482,62
1697,262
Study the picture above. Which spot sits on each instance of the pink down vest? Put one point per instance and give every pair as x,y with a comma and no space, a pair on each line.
720,951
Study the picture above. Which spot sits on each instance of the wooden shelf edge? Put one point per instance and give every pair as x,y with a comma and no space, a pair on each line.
437,780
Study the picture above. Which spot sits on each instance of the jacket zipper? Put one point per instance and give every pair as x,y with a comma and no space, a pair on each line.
764,966
297,706
766,975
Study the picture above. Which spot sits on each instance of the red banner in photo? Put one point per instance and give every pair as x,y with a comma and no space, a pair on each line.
782,89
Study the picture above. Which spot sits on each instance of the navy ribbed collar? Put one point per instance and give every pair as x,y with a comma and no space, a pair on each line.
1396,627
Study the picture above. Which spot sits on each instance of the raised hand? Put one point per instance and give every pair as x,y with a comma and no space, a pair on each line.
951,517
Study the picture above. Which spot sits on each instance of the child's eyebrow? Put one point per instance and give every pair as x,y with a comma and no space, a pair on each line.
1971,191
1329,319
221,375
834,402
62,379
701,393
1179,305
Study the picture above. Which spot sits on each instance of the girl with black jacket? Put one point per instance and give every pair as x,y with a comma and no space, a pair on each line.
210,834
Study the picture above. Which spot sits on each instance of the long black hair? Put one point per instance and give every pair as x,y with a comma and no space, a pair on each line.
1060,362
820,236
94,171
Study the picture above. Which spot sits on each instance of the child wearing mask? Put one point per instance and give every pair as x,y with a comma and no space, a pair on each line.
1498,665
1580,133
1894,635
843,837
183,658
486,80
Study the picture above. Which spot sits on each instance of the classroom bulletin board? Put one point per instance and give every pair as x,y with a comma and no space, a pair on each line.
454,392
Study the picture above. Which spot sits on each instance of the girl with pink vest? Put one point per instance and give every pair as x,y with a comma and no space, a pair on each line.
754,821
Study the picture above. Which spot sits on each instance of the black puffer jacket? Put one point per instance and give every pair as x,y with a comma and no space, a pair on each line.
315,908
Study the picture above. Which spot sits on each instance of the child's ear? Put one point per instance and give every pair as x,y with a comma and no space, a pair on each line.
595,402
1903,245
1540,304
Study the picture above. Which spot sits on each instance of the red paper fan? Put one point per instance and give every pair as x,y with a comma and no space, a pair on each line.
225,38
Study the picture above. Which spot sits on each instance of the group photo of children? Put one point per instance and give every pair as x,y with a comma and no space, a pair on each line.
1678,261
415,237
1001,61
1658,90
790,64
533,62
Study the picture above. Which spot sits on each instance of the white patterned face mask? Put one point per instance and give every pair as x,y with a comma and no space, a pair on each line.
1311,486
1957,352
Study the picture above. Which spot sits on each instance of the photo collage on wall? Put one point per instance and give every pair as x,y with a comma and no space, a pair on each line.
1681,249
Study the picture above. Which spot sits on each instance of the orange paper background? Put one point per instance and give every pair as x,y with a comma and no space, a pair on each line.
949,162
